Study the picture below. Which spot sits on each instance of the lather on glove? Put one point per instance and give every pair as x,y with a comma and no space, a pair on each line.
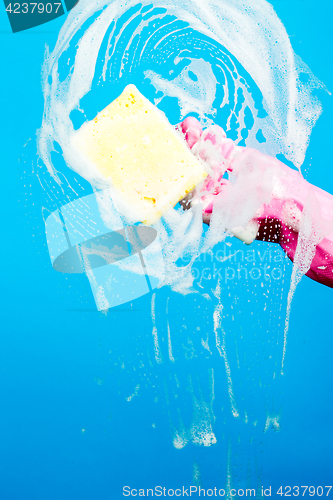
265,196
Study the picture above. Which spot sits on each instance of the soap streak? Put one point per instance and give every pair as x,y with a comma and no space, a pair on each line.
154,331
221,347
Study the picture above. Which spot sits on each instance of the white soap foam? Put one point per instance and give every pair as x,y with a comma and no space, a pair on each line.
221,347
158,358
200,430
240,33
254,35
251,49
194,96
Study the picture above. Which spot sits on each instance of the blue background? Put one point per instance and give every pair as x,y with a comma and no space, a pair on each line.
66,428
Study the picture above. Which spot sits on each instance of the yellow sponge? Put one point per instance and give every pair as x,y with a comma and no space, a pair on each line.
148,162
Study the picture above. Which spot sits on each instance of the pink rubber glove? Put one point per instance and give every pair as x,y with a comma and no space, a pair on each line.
291,204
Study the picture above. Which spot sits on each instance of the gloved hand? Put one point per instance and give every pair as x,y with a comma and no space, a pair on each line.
262,198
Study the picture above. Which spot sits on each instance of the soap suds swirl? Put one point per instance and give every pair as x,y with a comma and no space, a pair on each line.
228,62
225,62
